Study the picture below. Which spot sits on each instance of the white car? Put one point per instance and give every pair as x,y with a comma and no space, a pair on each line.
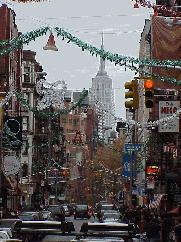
5,237
66,209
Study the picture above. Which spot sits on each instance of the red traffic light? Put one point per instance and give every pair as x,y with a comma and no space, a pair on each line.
148,84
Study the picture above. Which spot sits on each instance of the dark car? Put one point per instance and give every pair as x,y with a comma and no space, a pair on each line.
82,211
58,212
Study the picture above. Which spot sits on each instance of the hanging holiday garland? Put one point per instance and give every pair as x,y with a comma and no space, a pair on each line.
121,60
41,166
18,41
47,114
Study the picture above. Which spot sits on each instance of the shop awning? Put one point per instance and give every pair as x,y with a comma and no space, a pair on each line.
175,210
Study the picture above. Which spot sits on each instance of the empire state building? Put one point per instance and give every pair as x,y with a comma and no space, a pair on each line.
102,100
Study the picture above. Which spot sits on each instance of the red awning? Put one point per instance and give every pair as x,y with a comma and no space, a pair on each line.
175,210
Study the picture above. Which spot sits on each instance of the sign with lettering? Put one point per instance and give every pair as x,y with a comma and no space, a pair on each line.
132,147
167,109
152,170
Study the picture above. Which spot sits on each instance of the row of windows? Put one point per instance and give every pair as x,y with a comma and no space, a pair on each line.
75,122
25,121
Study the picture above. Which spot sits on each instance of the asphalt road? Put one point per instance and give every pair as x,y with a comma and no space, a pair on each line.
77,224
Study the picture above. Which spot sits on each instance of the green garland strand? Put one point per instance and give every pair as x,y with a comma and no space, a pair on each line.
121,60
148,73
114,57
46,114
18,41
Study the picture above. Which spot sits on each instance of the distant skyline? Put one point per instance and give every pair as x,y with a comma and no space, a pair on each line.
118,20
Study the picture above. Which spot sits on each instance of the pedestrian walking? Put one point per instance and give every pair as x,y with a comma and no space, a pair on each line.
153,231
177,230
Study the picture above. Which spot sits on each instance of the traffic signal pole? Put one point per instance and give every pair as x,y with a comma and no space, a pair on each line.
133,141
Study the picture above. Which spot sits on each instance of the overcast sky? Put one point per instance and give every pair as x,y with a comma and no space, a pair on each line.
120,22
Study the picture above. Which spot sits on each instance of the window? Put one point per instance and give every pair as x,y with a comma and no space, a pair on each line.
27,76
26,97
24,149
24,170
25,124
76,122
64,120
70,121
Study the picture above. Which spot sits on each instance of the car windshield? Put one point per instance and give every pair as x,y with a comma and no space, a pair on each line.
81,207
111,215
9,223
55,209
107,206
28,216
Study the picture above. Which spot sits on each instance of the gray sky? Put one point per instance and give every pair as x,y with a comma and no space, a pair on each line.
117,19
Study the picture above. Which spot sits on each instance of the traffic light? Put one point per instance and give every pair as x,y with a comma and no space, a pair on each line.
64,174
149,93
132,93
13,130
95,176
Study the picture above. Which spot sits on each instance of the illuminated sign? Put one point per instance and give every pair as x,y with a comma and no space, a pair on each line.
152,170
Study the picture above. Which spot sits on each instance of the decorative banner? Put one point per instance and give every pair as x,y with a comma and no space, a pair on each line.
166,109
166,45
126,165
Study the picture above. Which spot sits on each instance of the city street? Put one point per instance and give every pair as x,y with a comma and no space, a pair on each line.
77,224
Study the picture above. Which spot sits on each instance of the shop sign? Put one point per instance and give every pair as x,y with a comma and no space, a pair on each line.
24,187
152,170
167,109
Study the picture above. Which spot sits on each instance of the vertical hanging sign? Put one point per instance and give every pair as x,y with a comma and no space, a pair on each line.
166,109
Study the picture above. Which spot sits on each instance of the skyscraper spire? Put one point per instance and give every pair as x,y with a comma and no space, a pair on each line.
102,71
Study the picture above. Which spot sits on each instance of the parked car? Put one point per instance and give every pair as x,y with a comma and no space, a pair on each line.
58,212
82,211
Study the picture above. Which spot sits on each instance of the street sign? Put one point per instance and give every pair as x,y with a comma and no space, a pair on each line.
132,147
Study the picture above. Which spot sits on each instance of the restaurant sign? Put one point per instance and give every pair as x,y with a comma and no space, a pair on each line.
152,170
166,110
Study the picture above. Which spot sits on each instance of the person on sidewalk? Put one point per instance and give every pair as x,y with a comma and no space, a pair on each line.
177,230
153,231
